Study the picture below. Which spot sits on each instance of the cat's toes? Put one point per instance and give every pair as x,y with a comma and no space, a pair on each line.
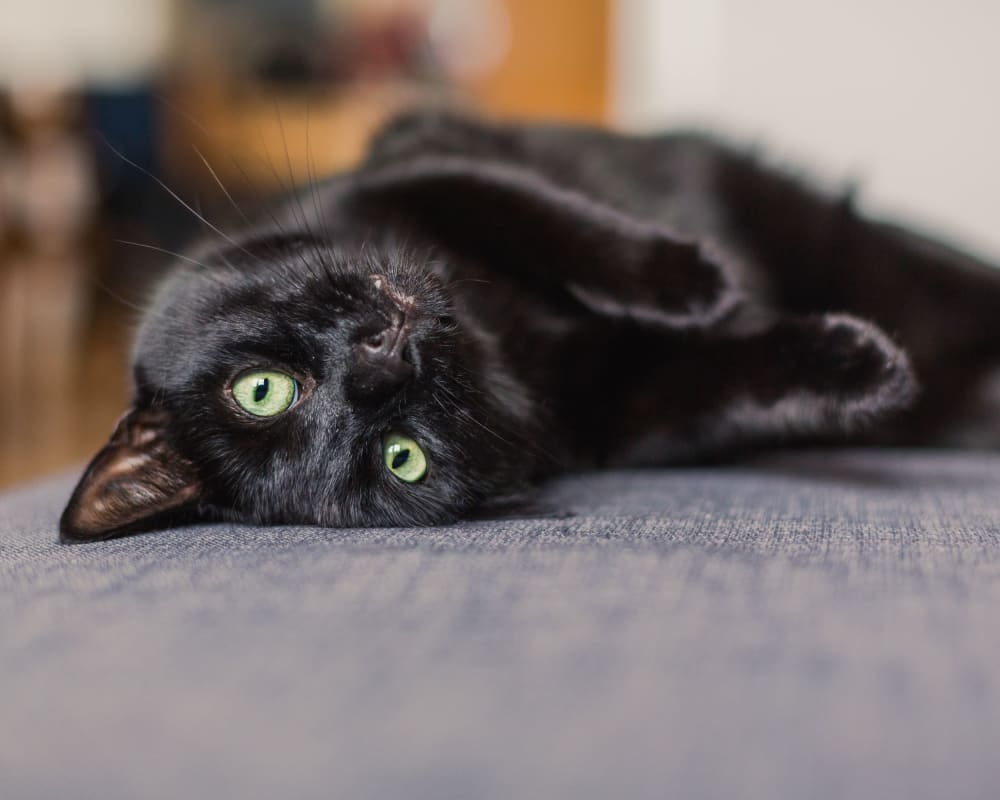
857,367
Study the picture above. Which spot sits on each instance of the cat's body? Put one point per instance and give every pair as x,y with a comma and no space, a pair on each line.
522,300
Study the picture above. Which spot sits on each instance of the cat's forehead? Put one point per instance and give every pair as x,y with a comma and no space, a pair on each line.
199,315
280,296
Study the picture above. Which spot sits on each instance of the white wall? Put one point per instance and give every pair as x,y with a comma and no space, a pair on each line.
901,94
53,43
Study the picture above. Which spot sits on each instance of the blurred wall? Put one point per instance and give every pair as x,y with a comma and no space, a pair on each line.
902,95
61,42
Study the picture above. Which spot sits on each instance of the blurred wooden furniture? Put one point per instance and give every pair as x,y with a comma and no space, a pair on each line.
555,67
50,391
557,64
64,336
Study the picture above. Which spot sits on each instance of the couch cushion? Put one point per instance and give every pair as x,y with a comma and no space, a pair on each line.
818,625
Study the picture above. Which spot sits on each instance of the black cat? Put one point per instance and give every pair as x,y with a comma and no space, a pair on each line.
478,306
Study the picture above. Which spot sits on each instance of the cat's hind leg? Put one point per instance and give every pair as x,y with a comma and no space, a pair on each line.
821,377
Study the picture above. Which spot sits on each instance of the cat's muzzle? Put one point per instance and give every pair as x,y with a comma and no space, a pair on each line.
383,360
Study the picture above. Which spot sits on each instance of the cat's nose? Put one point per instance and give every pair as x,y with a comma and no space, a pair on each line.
381,363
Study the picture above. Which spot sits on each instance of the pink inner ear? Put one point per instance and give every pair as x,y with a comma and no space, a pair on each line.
135,477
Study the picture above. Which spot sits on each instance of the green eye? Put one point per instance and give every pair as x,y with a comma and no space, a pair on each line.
265,392
403,457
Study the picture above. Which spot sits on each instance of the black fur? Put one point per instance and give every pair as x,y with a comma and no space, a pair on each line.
569,298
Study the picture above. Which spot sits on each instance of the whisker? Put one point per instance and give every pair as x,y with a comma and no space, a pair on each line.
525,438
285,191
182,113
107,290
269,207
163,250
317,252
288,163
313,178
248,183
221,185
465,413
173,194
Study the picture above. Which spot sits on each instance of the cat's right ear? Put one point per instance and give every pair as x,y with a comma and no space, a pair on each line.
136,481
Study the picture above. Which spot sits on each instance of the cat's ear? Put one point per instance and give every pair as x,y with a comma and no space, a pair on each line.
135,481
514,219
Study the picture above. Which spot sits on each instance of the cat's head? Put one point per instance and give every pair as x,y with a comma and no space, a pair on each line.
291,380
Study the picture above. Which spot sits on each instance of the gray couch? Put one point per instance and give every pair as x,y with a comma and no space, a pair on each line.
811,625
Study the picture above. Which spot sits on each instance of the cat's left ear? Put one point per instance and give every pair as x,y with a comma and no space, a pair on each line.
514,219
136,481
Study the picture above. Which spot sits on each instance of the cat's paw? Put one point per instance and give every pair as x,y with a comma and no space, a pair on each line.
675,284
820,375
854,366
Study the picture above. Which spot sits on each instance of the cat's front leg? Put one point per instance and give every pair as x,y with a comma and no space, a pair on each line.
550,239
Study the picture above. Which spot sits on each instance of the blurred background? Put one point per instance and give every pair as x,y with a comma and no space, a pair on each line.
122,120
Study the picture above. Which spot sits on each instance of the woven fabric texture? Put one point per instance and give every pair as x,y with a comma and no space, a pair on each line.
809,625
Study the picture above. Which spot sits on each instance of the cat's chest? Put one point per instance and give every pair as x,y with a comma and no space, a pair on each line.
552,347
